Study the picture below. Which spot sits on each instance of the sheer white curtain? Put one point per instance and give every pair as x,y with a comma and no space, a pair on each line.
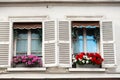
21,46
36,42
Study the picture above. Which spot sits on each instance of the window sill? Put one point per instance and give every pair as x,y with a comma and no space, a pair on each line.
86,69
26,69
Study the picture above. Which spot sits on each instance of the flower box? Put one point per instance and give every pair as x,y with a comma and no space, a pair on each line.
87,60
19,65
87,66
27,61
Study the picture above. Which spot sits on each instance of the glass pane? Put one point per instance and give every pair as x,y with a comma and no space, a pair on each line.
36,45
91,46
36,33
19,54
78,43
21,46
36,42
22,34
91,40
37,54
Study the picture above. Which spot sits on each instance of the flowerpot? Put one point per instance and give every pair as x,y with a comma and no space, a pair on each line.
87,66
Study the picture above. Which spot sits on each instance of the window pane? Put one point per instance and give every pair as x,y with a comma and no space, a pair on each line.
22,34
37,54
78,43
91,40
36,34
36,42
19,54
91,46
36,45
21,46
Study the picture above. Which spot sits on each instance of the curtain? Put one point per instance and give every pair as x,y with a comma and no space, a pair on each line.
21,46
36,42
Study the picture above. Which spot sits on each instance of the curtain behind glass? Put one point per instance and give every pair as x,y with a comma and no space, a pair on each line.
78,44
91,40
36,42
21,46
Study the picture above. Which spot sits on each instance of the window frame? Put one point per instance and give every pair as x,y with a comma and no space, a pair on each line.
14,19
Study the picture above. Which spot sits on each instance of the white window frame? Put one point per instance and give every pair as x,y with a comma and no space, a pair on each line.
14,19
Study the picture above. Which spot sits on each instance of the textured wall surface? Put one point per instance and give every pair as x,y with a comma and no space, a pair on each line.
58,11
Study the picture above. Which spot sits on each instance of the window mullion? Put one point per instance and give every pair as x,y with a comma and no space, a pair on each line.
15,46
29,42
85,40
98,47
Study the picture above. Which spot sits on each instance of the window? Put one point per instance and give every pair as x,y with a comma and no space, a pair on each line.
85,38
27,41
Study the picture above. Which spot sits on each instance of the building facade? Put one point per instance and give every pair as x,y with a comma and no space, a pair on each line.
56,32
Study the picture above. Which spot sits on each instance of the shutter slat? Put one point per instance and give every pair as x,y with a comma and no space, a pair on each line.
49,31
4,48
64,44
4,31
4,54
108,44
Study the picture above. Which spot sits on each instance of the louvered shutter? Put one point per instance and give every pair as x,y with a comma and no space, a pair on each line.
64,41
4,43
49,44
108,46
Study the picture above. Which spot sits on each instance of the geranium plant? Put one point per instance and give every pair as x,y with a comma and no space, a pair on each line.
28,60
88,58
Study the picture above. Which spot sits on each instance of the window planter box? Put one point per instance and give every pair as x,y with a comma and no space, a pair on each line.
23,65
88,66
19,65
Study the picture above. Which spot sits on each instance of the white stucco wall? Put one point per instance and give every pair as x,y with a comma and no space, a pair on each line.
59,11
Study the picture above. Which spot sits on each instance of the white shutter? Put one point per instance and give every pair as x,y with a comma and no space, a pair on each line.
49,44
4,43
108,46
64,41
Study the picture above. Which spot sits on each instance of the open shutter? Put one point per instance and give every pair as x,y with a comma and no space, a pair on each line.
49,44
4,43
64,41
108,47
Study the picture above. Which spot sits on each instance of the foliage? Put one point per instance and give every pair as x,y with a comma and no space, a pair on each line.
28,61
88,58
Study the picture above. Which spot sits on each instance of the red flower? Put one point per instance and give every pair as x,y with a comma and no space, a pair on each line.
77,57
80,55
90,55
97,55
95,58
